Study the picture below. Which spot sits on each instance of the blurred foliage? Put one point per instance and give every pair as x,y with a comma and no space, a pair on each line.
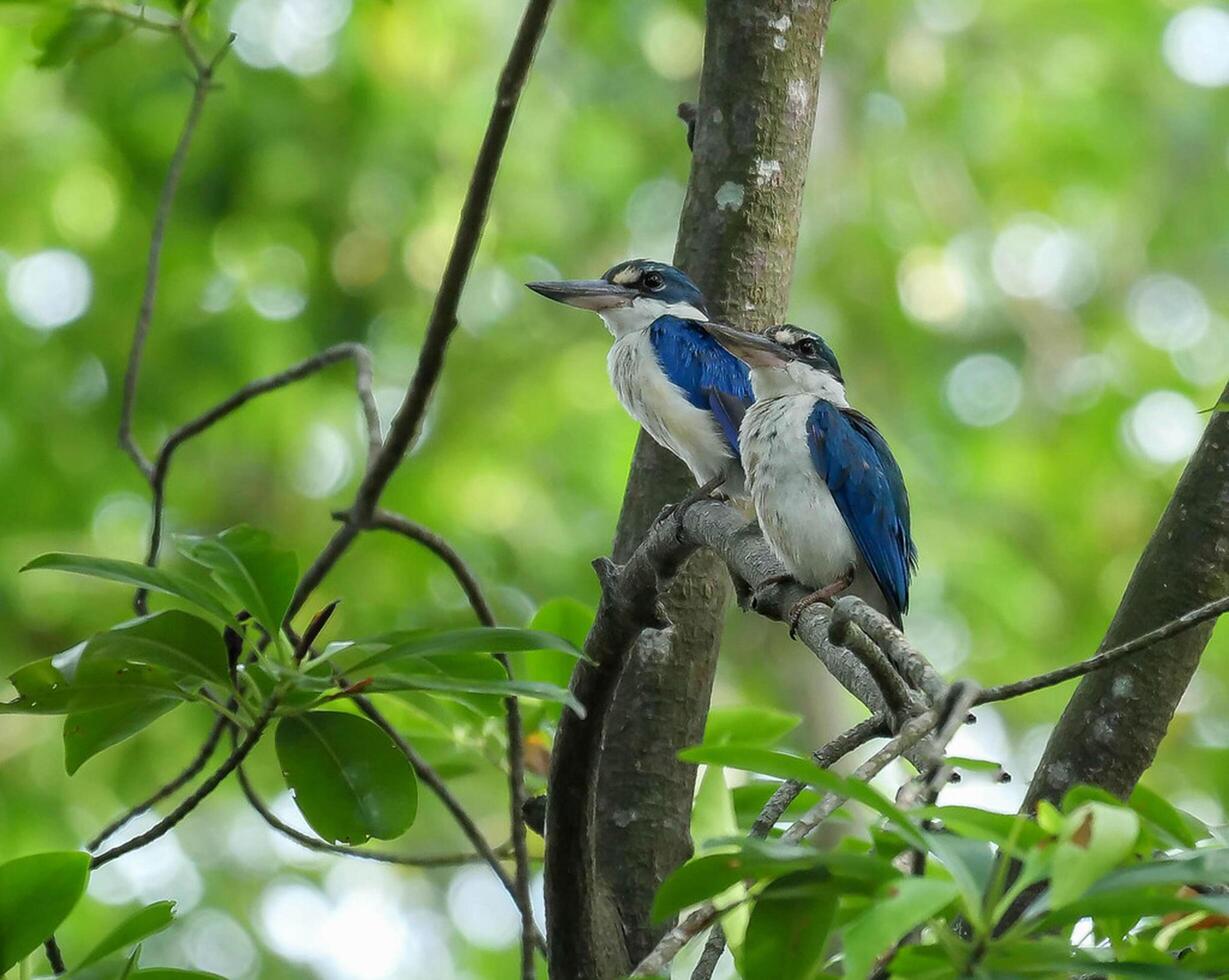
1013,238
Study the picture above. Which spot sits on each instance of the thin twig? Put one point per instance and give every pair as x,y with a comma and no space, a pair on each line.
512,712
55,959
239,753
323,846
428,775
202,85
187,775
1102,660
253,389
443,318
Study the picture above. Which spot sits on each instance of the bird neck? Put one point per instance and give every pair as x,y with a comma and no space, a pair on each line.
796,378
642,311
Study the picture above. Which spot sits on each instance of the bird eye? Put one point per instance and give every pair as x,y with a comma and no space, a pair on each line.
653,281
807,348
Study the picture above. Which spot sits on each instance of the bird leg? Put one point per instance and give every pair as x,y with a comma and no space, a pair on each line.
706,492
826,594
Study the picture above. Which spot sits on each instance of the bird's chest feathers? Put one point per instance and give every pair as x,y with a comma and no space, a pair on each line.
659,405
796,511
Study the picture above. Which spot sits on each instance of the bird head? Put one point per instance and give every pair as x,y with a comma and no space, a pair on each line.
784,360
630,296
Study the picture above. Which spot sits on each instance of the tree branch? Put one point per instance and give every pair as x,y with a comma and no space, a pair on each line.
428,775
202,85
237,755
512,714
187,775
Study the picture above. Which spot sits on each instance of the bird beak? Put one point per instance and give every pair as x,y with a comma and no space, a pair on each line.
753,349
588,294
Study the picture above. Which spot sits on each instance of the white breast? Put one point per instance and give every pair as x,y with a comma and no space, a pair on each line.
659,405
796,512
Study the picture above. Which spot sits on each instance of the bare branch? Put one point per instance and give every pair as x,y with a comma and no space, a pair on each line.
239,753
55,959
187,775
428,775
202,85
512,712
253,389
1108,657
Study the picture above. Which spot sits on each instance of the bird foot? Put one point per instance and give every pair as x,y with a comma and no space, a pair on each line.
707,492
826,594
757,594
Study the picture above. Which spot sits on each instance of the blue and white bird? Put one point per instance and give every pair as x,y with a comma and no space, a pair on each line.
686,390
828,493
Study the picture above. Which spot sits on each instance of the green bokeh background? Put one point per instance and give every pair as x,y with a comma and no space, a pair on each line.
1004,182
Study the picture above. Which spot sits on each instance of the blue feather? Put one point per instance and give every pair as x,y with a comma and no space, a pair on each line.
855,462
710,377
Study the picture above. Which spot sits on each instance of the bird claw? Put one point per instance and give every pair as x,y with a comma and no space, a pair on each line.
707,492
826,595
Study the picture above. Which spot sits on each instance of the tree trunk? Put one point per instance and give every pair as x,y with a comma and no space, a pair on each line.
1110,730
737,238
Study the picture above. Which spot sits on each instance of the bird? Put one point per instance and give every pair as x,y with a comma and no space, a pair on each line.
671,375
828,494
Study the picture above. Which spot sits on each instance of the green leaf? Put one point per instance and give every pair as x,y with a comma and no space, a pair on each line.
973,765
907,903
783,766
427,643
348,777
997,828
86,733
36,895
168,973
712,818
1159,812
789,928
970,863
175,640
245,563
704,877
71,682
745,725
139,576
463,674
1096,838
149,920
562,617
75,35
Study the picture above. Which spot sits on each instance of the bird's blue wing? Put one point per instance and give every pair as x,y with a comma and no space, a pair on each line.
709,376
855,462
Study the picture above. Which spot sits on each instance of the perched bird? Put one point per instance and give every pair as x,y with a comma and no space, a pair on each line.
686,390
828,494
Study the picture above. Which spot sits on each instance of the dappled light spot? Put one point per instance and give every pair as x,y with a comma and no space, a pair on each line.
673,42
481,909
983,390
1206,361
947,16
120,524
1035,258
298,35
1078,384
294,916
1163,427
49,289
933,287
1168,312
488,298
211,940
85,204
88,385
1196,46
279,283
325,464
160,870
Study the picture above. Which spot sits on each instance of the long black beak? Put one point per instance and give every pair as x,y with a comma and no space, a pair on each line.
588,294
753,349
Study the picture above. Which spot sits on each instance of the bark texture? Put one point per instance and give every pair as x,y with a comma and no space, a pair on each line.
737,238
1114,723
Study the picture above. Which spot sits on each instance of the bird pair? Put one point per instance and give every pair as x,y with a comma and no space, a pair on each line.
761,415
